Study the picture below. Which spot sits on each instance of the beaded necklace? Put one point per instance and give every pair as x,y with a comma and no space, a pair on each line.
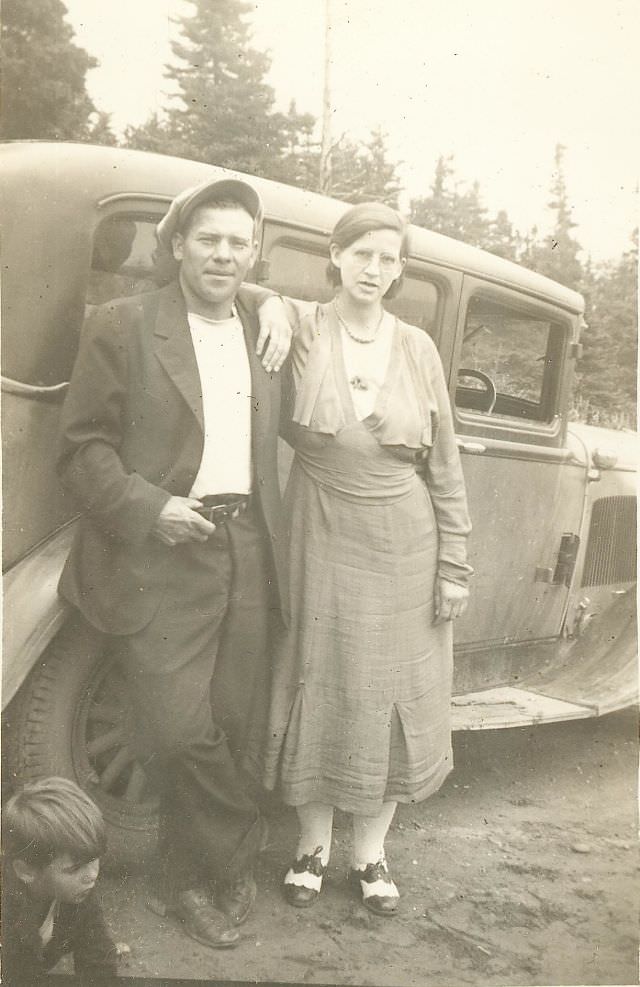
354,336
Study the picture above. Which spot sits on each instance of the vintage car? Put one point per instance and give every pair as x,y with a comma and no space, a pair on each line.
550,631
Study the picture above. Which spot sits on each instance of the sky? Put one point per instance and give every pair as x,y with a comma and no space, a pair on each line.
495,83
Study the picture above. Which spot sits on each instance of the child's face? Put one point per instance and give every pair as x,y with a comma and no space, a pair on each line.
64,879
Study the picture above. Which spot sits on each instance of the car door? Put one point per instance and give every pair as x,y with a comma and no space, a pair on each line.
526,491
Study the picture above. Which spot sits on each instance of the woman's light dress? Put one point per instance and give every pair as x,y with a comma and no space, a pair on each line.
362,678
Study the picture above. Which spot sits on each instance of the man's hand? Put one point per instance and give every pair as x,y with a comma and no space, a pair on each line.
276,327
451,600
178,522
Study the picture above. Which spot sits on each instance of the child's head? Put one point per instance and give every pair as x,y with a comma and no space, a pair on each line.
53,836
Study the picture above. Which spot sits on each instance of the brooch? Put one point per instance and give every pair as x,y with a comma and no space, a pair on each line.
359,384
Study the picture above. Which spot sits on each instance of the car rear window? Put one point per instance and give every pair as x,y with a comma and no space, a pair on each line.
125,259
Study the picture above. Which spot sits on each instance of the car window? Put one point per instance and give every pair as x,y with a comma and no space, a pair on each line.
299,271
508,362
125,258
417,304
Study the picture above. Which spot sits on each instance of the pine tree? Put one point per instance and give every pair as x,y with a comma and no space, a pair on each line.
501,239
473,223
362,172
299,161
225,108
435,212
558,257
44,91
455,213
100,131
606,374
224,113
527,247
382,182
153,135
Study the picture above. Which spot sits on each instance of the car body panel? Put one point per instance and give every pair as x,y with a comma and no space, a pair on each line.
33,609
34,506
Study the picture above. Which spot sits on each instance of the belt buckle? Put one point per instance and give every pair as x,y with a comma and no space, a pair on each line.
221,513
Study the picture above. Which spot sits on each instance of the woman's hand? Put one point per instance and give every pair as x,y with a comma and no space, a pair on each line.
451,600
276,327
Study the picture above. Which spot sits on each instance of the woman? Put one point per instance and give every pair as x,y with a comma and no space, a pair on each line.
376,559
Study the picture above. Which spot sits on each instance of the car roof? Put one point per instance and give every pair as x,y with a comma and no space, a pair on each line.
66,174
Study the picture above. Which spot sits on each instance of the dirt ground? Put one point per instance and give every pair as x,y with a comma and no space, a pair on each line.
523,869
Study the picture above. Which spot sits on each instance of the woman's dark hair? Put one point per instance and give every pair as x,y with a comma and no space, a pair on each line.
49,818
361,219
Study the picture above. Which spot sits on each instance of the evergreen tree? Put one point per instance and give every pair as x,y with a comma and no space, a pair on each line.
361,172
606,374
300,158
382,181
436,211
557,256
452,211
44,91
225,108
472,217
500,238
152,136
224,113
100,131
527,248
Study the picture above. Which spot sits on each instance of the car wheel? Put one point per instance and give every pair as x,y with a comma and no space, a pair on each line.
72,718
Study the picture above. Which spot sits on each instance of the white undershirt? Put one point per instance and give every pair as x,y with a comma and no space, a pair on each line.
225,378
366,365
46,929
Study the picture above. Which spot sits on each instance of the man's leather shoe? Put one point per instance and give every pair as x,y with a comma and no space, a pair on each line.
202,921
236,898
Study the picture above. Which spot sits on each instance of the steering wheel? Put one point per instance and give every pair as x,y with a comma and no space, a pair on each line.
490,394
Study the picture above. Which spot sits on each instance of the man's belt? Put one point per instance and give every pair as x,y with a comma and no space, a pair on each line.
220,508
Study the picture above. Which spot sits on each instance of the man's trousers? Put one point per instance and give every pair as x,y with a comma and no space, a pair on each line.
199,676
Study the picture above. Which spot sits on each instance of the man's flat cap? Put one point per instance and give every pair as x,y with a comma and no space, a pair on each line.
218,188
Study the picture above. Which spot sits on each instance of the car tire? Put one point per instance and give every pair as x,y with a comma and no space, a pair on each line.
71,718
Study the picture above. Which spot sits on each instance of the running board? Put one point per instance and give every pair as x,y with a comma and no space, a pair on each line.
494,709
593,674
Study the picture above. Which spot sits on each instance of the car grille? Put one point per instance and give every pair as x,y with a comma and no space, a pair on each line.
611,549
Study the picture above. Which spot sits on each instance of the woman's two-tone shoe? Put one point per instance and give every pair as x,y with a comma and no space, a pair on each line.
303,880
378,891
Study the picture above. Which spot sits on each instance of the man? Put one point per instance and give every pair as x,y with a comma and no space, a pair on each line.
168,441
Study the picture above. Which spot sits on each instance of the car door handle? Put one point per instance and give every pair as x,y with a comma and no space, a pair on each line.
473,448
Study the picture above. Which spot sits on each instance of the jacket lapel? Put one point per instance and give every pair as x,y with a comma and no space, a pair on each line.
174,349
261,382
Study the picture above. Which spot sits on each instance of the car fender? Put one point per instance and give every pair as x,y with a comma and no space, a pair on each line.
33,609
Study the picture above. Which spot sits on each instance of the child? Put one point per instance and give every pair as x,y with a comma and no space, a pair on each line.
53,837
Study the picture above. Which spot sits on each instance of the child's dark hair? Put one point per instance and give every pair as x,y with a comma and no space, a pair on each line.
51,817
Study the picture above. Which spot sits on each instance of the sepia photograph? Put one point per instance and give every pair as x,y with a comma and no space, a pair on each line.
319,434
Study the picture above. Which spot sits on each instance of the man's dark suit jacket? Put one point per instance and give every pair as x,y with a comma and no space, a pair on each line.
132,436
